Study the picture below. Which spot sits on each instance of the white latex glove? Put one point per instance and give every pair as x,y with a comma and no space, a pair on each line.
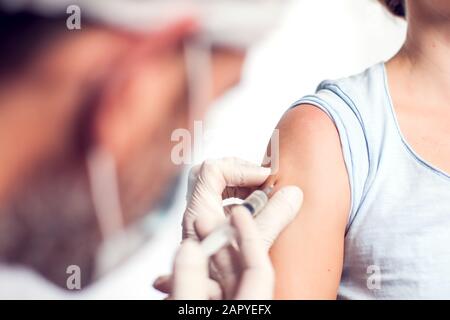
216,180
190,272
231,177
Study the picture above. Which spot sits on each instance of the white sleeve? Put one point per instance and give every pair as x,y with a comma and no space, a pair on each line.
353,141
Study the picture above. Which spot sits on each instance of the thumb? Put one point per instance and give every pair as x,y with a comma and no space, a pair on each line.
279,212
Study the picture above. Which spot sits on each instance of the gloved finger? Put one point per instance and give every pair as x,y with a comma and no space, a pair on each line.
223,267
279,212
204,225
216,175
190,273
205,197
197,228
229,192
192,180
257,279
164,284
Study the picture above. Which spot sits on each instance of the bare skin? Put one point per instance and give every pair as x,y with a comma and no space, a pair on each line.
308,256
419,82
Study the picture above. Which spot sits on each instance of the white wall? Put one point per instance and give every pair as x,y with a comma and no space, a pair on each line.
318,39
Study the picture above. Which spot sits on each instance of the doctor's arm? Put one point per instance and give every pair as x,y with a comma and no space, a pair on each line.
308,255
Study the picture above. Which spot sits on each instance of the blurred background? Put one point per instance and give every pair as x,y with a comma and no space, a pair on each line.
317,40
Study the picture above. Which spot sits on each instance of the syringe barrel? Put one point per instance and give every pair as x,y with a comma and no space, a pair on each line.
256,202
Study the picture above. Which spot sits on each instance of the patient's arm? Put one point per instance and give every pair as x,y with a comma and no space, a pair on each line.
308,255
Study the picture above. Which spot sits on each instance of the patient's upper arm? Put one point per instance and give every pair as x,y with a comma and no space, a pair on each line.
308,255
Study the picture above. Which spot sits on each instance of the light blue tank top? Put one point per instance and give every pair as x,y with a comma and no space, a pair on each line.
397,243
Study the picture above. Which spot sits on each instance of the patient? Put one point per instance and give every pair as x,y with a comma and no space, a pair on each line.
372,155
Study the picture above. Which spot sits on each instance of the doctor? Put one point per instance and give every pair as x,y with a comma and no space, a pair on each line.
90,94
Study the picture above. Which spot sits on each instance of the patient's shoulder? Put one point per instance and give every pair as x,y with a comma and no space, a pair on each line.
310,156
307,256
308,136
307,121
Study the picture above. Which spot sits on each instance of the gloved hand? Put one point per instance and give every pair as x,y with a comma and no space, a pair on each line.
190,273
209,184
216,180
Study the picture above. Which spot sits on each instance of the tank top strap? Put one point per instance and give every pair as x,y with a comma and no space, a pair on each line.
356,105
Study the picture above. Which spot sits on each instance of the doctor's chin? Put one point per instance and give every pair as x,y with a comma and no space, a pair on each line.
224,150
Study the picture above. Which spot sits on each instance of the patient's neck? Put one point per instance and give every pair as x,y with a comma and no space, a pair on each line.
425,58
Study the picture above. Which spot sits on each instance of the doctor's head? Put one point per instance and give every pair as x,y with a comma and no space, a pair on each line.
89,98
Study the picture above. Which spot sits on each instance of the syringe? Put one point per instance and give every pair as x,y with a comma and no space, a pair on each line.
225,233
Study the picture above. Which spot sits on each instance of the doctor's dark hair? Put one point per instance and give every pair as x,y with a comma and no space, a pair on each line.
396,7
22,34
